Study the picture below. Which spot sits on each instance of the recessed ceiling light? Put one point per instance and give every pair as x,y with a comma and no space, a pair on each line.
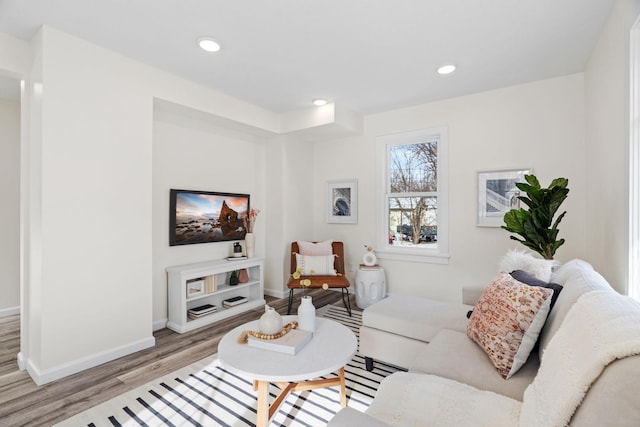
209,44
319,102
446,69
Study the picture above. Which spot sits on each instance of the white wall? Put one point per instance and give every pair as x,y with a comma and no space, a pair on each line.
89,199
607,130
92,299
290,203
10,206
538,125
194,154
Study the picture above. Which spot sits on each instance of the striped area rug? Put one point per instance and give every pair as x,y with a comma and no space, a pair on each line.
205,394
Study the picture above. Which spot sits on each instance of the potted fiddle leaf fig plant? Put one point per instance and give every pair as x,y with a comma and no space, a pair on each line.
536,225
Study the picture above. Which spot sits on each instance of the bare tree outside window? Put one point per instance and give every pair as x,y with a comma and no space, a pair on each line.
413,186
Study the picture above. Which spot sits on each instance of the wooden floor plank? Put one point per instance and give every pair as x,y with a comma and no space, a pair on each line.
23,403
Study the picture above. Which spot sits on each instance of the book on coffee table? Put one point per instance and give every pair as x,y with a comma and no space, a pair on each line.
290,343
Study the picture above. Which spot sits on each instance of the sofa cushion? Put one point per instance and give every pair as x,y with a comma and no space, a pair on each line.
451,354
410,399
614,399
527,279
576,277
349,417
415,317
507,320
601,327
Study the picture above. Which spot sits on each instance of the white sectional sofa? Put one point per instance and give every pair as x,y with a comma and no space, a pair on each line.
585,370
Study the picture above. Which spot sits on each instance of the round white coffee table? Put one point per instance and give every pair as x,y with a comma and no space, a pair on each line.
331,348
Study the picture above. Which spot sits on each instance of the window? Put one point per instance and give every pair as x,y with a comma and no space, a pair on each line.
633,278
412,220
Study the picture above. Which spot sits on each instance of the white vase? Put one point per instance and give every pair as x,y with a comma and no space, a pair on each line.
270,321
306,315
369,259
250,244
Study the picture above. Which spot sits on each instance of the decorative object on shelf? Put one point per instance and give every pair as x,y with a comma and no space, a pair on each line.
535,225
237,250
307,314
369,259
234,301
195,287
270,321
497,193
233,279
250,244
342,202
243,276
250,238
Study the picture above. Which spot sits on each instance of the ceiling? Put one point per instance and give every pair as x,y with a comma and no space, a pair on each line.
367,55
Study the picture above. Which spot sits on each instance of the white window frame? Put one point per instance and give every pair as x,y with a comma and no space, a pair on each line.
384,250
633,277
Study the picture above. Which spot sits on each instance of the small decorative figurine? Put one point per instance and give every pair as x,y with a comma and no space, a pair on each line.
237,250
369,259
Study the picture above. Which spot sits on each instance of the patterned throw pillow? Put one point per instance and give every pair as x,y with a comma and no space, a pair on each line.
507,320
527,279
316,265
315,249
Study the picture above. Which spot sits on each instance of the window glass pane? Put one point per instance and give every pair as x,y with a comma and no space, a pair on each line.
413,167
413,221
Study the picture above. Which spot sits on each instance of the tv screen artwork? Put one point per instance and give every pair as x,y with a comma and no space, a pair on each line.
206,216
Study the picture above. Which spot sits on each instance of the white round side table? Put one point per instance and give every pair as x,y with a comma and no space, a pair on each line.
370,286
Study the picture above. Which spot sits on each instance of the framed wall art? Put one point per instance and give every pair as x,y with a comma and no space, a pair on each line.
498,194
342,201
206,216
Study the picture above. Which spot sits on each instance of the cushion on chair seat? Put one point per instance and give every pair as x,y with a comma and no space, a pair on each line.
318,281
413,317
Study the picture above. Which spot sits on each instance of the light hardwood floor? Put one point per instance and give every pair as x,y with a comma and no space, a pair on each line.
22,403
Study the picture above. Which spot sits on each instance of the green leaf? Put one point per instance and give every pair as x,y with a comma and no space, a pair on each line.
534,224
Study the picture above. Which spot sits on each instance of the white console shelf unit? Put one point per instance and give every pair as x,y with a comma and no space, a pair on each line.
216,289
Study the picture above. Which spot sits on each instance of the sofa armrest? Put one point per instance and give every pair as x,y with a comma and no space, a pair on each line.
471,294
348,417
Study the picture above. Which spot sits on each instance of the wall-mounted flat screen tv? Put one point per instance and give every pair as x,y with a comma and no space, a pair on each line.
206,216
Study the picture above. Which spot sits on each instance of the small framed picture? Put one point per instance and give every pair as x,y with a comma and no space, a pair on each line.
195,287
498,194
342,201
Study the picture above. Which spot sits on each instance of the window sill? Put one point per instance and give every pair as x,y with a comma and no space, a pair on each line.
413,256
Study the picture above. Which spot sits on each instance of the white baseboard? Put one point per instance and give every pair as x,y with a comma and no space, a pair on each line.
277,294
44,377
22,364
10,311
160,324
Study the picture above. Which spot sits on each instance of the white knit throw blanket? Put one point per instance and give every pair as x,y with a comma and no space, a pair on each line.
601,327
